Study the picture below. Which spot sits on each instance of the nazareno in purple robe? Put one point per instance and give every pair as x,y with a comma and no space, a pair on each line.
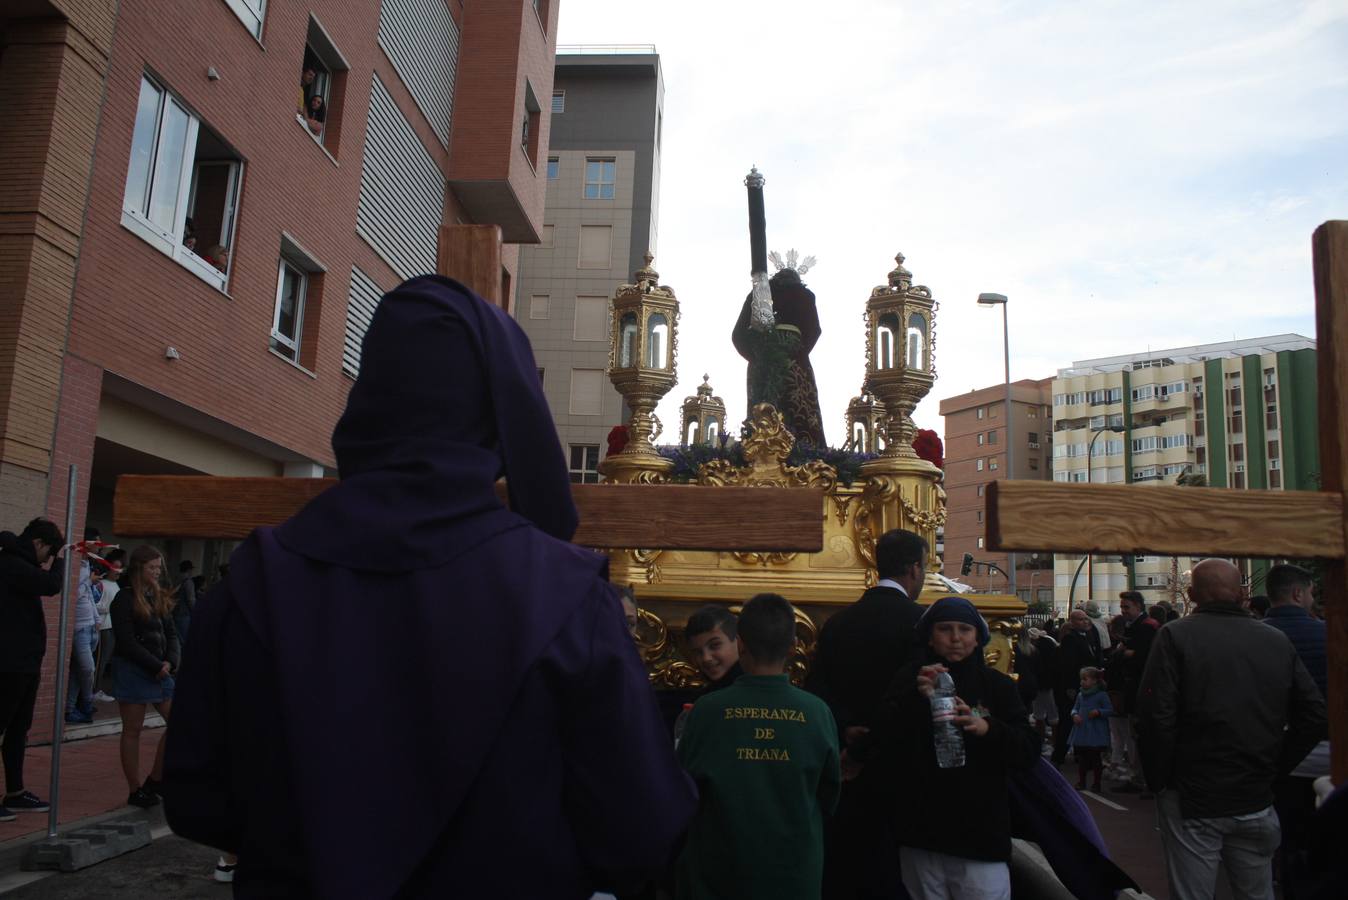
409,690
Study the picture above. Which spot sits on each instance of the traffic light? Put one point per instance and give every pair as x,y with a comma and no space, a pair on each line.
968,565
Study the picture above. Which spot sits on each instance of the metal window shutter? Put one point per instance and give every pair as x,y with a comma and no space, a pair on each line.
421,40
361,300
402,192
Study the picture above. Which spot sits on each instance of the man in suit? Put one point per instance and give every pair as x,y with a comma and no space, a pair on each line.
860,650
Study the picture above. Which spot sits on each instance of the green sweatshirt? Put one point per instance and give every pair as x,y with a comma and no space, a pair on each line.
765,758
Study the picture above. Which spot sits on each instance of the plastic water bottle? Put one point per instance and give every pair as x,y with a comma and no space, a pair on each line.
948,738
680,723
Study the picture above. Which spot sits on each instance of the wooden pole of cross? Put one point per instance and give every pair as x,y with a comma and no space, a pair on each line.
1186,521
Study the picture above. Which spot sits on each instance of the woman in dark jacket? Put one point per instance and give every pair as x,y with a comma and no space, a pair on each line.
953,825
145,657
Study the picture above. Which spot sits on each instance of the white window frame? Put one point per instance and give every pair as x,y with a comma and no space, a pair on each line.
554,169
583,471
291,344
252,13
978,464
170,242
601,183
558,107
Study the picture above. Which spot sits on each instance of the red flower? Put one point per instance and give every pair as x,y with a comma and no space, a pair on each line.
618,438
929,447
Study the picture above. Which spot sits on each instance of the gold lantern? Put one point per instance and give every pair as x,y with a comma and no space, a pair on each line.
707,412
641,366
865,424
900,340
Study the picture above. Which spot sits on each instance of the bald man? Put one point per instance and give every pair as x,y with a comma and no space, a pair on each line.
1225,707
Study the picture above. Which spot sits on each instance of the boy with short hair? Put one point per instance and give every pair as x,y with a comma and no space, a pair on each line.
765,756
712,647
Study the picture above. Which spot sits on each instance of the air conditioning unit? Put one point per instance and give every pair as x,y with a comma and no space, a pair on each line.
1034,445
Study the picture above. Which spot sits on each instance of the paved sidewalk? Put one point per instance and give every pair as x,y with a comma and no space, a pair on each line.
91,780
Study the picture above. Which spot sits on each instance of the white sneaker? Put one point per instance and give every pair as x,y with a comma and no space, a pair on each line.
224,871
101,697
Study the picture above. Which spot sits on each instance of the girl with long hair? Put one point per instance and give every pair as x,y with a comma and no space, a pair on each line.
145,657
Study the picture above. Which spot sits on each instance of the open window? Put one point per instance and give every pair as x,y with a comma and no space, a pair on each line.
299,299
182,185
322,88
529,128
251,13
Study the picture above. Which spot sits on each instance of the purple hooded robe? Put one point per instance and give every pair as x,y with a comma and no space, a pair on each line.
409,690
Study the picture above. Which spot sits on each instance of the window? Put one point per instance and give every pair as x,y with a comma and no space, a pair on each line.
182,186
1146,392
980,516
600,177
1034,463
978,464
299,292
1271,417
558,102
992,464
982,438
591,319
1238,479
980,490
1274,450
992,412
587,387
1032,437
596,251
1144,445
1238,453
529,128
545,239
1201,456
554,168
538,306
992,437
980,543
1059,475
1275,479
980,412
322,87
584,464
1031,413
422,41
288,318
250,13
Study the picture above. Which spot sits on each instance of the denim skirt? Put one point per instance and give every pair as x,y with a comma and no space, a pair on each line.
130,684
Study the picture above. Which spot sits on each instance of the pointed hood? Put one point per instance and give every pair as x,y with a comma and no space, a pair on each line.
448,399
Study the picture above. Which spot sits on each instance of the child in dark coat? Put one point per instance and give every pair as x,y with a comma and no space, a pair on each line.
948,852
1090,727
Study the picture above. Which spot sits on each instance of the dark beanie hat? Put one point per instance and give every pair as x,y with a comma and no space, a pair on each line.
952,609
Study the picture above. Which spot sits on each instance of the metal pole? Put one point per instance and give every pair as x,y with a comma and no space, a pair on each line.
1010,435
62,676
1072,591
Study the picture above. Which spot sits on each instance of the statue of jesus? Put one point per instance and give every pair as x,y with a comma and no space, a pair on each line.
777,328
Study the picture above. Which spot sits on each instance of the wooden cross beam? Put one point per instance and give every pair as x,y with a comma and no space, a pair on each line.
1183,521
670,517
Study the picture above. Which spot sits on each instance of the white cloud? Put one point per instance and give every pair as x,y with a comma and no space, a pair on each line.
1129,176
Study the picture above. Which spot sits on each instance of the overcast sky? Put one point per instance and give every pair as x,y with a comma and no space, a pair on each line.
1131,176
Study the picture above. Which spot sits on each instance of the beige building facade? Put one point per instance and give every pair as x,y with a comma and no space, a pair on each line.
1240,414
599,221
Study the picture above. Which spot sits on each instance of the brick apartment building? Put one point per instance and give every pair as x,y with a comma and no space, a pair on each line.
131,128
975,453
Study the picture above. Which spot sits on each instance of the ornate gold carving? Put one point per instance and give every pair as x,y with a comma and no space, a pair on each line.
924,519
766,449
647,560
665,668
764,559
841,505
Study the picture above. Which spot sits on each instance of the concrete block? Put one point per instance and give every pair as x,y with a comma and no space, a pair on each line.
88,846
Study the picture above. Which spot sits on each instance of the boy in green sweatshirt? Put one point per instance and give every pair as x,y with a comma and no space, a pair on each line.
765,757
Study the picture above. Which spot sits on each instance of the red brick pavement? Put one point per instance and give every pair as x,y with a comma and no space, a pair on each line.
91,780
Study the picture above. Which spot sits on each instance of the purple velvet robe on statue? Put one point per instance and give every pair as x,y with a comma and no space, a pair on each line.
409,690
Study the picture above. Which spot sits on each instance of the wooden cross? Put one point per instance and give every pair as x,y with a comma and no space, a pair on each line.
1185,521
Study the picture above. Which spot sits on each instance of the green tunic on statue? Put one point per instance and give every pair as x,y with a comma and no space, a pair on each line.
765,757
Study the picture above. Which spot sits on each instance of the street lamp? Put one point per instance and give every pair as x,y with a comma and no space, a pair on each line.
1090,454
990,300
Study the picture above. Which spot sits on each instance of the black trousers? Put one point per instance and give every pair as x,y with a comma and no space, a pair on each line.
18,694
1064,726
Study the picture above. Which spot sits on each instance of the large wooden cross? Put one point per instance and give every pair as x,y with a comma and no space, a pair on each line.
1185,521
